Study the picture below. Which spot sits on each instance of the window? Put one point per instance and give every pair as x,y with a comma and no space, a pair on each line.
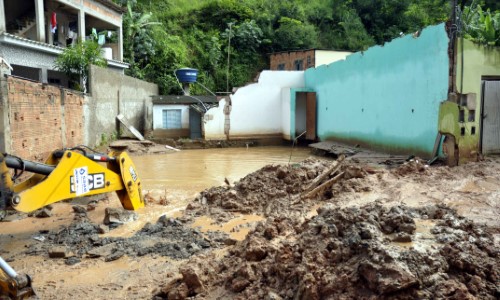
299,65
281,67
171,118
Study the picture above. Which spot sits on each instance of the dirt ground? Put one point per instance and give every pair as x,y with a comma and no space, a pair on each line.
404,232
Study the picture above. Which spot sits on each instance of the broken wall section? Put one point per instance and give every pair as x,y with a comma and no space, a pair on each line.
462,116
387,97
254,111
111,94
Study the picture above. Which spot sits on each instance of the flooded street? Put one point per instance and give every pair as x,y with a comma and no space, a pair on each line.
233,207
190,171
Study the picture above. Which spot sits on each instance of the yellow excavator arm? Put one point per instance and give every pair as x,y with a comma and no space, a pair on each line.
65,175
69,174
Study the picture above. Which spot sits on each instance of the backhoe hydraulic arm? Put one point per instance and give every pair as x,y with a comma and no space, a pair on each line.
69,174
13,285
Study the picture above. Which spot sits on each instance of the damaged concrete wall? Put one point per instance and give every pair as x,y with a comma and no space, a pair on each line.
112,93
387,97
255,111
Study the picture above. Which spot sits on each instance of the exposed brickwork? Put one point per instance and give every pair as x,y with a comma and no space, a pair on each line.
289,59
36,118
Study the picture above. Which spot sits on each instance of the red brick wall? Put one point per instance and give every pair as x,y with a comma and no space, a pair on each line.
289,58
36,119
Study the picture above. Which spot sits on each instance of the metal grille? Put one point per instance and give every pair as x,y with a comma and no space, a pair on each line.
172,119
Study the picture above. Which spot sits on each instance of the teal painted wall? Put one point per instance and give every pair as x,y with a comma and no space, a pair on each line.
387,97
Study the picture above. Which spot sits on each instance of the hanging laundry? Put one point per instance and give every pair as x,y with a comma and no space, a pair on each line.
53,23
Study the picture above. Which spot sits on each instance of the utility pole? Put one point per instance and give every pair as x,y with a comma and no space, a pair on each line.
454,12
228,55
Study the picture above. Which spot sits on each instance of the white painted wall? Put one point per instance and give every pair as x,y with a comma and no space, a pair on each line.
158,115
325,57
256,108
214,122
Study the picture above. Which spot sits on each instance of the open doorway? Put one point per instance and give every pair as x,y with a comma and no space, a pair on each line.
490,116
305,115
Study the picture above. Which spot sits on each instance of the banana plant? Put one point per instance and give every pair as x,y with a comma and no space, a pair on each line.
482,27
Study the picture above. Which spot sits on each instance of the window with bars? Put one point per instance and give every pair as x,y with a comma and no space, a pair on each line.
172,118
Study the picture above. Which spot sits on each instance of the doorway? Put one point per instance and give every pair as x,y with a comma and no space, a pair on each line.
194,124
305,115
490,117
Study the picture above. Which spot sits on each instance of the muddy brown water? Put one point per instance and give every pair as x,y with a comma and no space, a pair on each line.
180,176
177,176
191,171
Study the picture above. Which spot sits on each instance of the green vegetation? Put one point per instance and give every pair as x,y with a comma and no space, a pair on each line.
482,27
161,36
75,62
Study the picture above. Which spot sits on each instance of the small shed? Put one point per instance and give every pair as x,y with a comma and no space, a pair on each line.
180,116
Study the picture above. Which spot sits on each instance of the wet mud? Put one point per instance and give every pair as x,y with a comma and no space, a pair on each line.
371,251
407,232
351,253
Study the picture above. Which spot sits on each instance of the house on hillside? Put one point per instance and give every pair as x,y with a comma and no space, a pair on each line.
299,60
34,32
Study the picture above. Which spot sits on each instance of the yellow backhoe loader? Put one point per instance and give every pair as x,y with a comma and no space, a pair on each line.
66,174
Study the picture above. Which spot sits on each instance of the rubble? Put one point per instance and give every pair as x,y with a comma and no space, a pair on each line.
168,237
119,216
349,254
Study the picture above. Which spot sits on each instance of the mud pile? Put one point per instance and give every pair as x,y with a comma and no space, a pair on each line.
370,252
269,191
168,237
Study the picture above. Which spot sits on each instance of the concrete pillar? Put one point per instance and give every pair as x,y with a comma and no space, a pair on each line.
40,21
81,25
120,43
50,35
5,139
3,26
44,75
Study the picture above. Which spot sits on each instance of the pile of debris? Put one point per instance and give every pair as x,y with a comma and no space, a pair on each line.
350,253
275,189
168,237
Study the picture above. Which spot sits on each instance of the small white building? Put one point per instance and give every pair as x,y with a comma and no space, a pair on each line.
180,116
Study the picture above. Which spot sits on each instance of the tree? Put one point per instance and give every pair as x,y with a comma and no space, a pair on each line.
138,43
75,61
293,34
481,26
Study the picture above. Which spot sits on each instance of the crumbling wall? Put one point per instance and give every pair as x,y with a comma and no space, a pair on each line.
111,94
255,110
479,62
40,118
387,97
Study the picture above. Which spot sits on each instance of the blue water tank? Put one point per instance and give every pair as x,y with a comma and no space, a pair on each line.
187,75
